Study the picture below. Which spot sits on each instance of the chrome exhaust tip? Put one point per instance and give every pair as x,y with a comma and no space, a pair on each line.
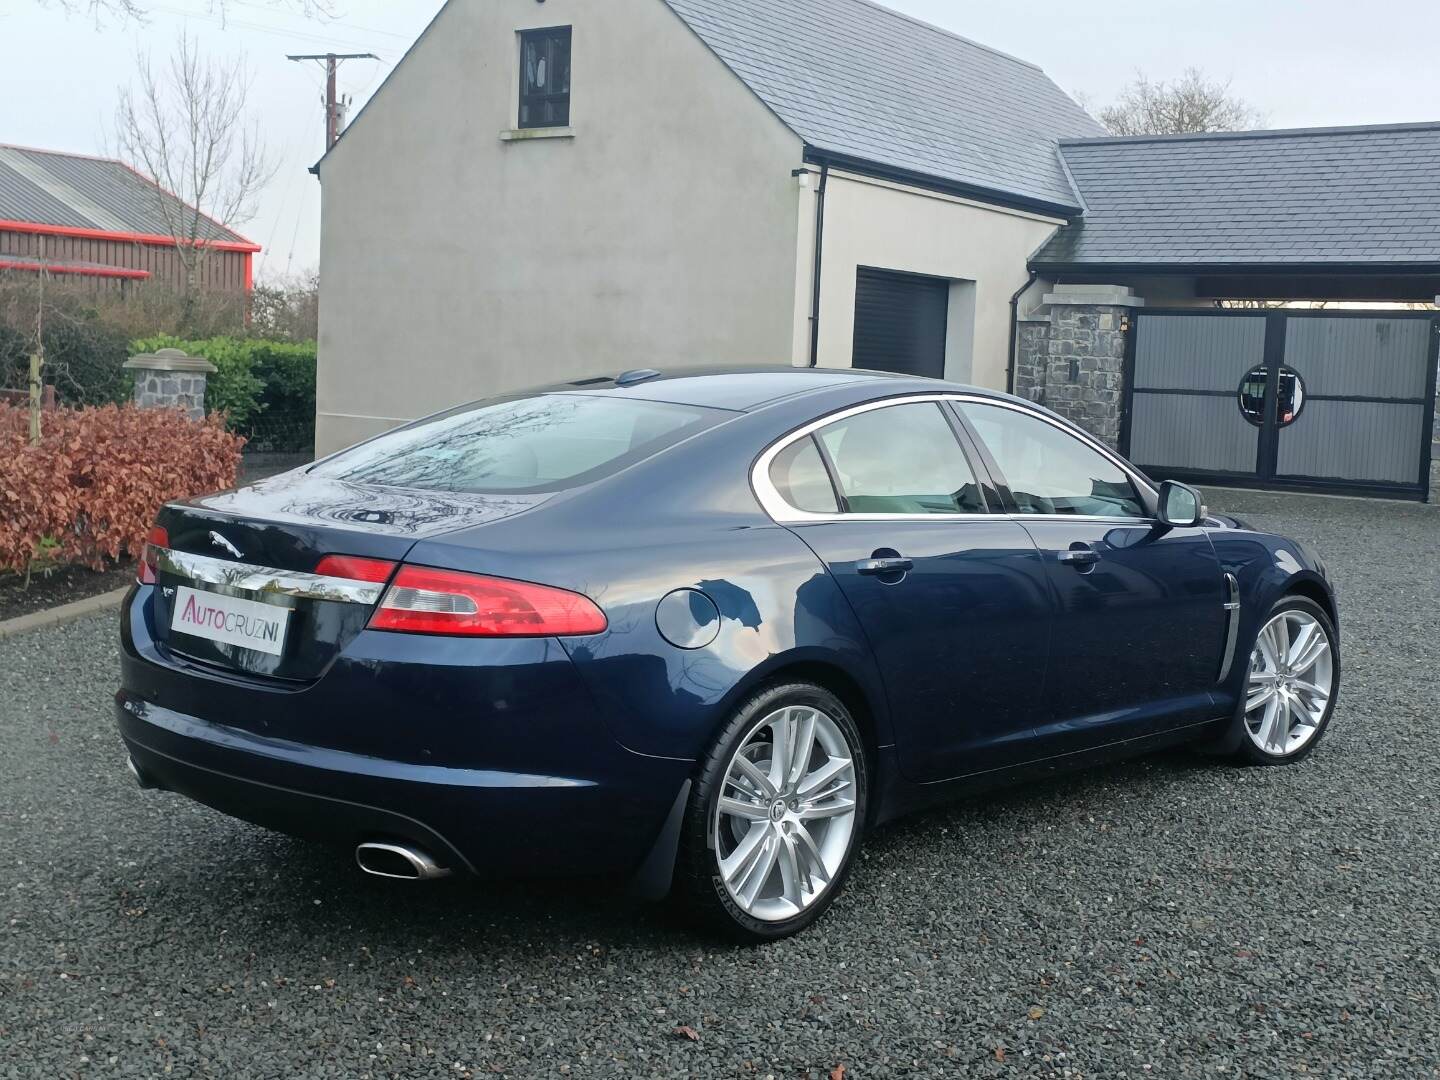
398,862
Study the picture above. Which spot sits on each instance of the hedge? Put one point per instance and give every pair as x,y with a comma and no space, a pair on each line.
89,491
267,388
83,359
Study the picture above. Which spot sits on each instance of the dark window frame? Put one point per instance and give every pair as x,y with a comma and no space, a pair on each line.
534,106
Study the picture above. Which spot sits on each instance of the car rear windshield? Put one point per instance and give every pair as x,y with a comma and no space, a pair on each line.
533,444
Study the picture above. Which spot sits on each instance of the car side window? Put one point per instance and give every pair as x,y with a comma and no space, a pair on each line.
1049,471
904,459
799,475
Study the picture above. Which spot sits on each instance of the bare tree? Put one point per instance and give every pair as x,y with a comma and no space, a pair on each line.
138,10
1192,103
187,127
288,308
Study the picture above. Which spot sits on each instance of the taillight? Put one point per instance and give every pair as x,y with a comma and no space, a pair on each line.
148,572
425,601
354,568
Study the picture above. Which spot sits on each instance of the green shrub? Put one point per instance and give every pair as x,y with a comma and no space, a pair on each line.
267,388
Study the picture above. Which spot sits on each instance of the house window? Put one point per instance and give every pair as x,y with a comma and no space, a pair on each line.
545,78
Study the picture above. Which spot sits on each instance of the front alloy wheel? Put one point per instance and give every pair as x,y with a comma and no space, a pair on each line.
1291,687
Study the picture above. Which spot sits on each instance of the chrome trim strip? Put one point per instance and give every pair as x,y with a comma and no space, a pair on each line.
1232,625
265,581
785,514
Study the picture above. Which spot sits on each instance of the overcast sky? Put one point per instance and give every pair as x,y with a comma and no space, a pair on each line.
1301,62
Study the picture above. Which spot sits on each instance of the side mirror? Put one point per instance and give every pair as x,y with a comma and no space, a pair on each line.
1181,505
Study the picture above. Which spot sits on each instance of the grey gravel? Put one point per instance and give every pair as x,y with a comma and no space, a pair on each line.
1166,917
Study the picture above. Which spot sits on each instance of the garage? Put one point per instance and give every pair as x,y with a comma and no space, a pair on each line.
1254,309
900,322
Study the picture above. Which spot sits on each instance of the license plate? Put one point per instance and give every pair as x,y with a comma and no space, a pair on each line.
230,620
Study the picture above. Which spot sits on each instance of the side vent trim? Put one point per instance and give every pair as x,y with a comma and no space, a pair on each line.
1232,625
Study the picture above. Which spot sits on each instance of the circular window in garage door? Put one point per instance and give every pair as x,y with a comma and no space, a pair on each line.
1290,395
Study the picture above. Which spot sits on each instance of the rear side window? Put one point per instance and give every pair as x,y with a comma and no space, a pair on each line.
536,444
904,459
799,475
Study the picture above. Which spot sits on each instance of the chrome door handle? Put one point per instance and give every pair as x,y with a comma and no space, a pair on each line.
880,567
1080,557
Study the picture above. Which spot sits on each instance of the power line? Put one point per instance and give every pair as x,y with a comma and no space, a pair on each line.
340,21
259,28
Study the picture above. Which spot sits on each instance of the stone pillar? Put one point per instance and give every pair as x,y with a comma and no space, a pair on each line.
169,379
1434,496
1084,358
1032,347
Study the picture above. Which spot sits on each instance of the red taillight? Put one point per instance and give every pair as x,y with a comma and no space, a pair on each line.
148,572
354,568
425,601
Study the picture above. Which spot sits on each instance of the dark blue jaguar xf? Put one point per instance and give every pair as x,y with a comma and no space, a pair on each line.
701,629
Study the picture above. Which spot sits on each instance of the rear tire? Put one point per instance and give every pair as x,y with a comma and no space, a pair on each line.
770,859
1292,686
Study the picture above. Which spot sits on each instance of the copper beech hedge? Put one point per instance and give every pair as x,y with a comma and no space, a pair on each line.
89,492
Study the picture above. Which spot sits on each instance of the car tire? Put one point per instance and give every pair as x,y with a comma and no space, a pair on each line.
820,859
1287,725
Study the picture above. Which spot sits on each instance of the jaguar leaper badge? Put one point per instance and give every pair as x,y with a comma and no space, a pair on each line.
219,541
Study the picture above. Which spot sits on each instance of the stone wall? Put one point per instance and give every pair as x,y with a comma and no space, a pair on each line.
1032,345
1072,360
169,379
171,390
1435,456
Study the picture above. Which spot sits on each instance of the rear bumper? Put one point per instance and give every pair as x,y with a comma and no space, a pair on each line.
298,813
492,761
480,822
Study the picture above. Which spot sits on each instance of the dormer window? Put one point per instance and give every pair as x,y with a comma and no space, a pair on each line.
545,78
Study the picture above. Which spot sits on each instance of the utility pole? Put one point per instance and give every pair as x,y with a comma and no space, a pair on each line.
333,104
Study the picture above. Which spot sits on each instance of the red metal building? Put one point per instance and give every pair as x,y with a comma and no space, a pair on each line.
99,219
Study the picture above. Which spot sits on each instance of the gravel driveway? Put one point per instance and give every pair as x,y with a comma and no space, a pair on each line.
1167,917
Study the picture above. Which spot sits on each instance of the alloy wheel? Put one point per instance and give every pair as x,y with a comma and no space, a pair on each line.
786,813
1292,678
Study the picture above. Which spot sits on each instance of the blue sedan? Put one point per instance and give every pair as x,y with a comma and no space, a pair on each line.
701,629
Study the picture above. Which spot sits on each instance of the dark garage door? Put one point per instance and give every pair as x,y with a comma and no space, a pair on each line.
900,322
1336,401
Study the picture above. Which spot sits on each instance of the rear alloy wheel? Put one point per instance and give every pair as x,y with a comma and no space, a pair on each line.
1291,687
779,809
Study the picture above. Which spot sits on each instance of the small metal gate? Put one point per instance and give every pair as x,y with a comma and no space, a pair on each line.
1315,400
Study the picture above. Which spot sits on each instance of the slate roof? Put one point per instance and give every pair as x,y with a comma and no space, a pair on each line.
859,80
43,187
1367,197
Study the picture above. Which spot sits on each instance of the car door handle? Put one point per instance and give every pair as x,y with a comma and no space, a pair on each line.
880,567
1080,557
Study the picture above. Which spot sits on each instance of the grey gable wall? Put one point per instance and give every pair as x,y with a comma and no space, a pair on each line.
456,265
